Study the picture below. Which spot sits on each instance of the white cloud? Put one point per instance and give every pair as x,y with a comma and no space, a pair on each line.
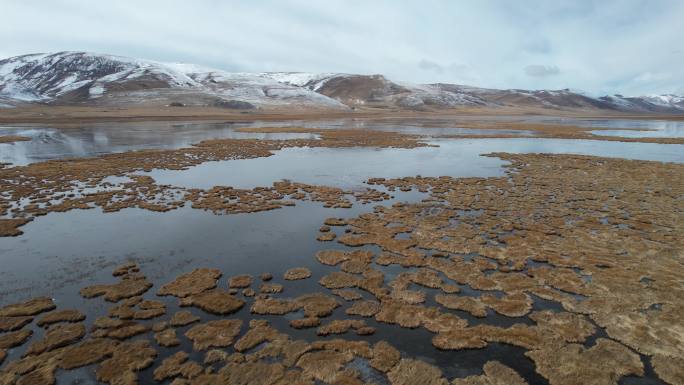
596,45
653,77
538,70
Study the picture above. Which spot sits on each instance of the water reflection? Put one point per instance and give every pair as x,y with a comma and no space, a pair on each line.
58,143
349,168
631,128
102,138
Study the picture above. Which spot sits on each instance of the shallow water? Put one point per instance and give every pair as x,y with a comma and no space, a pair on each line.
57,142
350,167
629,128
644,128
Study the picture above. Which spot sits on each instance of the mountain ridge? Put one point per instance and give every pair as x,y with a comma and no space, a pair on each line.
83,78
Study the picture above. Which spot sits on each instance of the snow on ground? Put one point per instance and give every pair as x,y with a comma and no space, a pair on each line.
96,91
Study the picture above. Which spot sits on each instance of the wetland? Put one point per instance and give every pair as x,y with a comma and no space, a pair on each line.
527,251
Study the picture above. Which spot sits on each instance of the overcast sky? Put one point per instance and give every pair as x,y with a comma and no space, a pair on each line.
604,46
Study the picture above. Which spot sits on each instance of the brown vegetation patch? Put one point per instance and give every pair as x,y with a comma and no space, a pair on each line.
324,365
183,318
12,339
604,363
27,308
160,326
271,288
354,266
326,237
125,288
340,327
106,323
385,356
127,359
194,282
317,304
366,308
13,138
214,334
125,330
403,314
274,306
247,373
356,260
459,302
10,227
348,294
259,331
87,352
512,305
568,326
339,280
167,337
56,337
177,366
415,372
305,323
669,369
69,315
314,305
495,373
137,308
335,222
297,273
240,281
216,301
8,324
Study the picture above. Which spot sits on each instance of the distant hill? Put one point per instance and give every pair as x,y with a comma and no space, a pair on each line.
81,78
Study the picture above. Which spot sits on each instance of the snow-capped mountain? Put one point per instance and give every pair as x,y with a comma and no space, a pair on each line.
93,79
79,77
377,91
667,101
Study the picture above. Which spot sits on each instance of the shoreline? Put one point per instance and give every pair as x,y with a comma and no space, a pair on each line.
76,115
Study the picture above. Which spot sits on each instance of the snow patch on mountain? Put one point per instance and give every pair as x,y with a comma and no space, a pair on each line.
312,81
667,100
81,75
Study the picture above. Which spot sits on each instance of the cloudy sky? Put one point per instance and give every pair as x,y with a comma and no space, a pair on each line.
605,46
